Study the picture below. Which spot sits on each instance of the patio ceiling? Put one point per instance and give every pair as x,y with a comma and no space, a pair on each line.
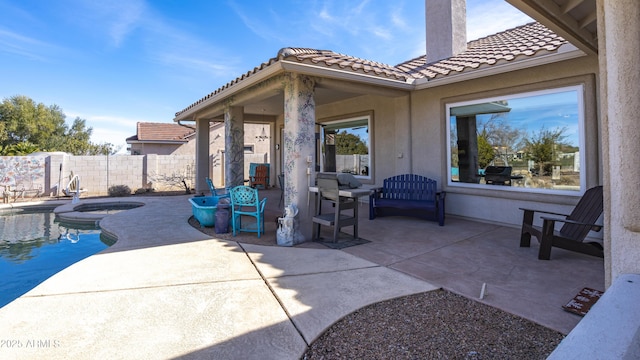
575,20
274,104
262,109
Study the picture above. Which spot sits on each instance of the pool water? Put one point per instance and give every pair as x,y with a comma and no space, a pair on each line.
33,247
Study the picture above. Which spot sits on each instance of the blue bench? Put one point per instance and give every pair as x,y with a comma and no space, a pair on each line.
408,195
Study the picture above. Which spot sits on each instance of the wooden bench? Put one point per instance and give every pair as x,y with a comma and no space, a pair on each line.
408,195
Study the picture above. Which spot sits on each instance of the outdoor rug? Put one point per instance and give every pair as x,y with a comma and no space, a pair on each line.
342,243
583,301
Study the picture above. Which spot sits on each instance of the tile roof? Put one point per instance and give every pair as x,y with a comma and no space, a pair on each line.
510,45
146,131
330,59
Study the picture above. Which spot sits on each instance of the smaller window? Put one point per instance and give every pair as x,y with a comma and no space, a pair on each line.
249,149
346,146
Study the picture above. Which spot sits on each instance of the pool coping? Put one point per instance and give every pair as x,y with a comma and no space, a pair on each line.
69,212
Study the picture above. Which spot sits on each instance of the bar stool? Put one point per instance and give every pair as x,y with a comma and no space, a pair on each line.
328,189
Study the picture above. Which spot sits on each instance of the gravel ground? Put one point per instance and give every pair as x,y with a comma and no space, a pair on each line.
433,325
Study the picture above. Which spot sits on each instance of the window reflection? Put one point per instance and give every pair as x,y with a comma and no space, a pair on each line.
530,140
346,147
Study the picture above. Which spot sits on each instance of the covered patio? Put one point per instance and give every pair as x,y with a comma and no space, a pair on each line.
462,256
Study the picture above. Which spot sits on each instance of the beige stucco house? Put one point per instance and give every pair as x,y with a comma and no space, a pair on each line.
179,139
575,69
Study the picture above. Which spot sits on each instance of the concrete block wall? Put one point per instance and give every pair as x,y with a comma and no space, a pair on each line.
123,170
165,172
98,173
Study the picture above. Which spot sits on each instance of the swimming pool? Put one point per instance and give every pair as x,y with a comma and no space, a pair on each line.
34,246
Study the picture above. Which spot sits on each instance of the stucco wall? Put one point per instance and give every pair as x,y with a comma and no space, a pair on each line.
618,47
428,130
409,135
389,137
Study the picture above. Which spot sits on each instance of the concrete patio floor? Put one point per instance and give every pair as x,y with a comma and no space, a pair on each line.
167,290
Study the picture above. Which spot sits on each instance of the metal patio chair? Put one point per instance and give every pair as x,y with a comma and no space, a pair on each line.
245,202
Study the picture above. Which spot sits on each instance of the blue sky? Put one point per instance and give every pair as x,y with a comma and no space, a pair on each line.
115,63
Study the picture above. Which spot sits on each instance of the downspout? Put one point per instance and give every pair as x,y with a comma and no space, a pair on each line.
181,124
410,140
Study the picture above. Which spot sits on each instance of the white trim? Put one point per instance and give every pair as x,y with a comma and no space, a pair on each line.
157,141
369,165
346,75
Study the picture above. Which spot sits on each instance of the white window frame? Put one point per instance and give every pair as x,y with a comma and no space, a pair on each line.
580,90
333,123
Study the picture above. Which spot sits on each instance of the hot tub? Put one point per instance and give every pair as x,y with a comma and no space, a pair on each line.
204,209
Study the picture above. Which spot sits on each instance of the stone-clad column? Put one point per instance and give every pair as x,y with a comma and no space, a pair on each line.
299,146
234,146
202,156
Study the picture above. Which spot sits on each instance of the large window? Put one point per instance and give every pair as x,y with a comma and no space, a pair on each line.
522,142
346,147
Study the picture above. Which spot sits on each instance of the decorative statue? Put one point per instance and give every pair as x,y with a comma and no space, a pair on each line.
288,233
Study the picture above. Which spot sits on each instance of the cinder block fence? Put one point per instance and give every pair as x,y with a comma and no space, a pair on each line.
51,172
48,173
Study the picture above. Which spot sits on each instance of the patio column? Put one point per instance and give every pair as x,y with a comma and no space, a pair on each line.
299,146
620,86
202,156
234,146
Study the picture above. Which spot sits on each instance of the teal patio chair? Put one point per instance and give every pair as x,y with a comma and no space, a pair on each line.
215,192
245,202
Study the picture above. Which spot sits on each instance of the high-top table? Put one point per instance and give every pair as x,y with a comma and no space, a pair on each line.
349,193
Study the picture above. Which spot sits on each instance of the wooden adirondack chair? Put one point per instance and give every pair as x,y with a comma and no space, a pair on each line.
260,177
575,229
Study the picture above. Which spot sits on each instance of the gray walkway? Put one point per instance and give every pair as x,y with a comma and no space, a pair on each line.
166,290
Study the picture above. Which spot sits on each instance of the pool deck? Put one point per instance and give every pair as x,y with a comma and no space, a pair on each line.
166,290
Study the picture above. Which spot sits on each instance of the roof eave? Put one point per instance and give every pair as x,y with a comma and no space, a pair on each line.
284,65
157,141
565,52
255,78
346,75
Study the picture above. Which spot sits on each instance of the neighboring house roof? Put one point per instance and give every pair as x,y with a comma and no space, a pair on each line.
161,132
523,42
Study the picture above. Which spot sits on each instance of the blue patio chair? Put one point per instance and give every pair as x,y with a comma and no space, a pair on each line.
216,192
245,202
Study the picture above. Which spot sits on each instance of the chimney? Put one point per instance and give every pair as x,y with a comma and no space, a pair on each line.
446,28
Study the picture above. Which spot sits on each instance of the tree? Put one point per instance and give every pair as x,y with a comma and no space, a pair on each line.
502,136
486,153
19,149
22,120
541,146
348,144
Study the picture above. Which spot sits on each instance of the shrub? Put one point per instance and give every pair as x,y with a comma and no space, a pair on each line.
143,191
119,191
